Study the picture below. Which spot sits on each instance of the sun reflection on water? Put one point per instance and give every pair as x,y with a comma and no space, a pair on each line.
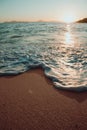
68,63
69,40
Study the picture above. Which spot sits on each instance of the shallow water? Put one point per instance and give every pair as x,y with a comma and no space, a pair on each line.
60,49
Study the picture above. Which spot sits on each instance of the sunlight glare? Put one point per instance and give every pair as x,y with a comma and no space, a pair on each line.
68,37
69,19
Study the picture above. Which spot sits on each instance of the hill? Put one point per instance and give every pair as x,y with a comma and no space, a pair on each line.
84,20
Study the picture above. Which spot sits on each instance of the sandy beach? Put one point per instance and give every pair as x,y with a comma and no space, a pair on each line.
30,102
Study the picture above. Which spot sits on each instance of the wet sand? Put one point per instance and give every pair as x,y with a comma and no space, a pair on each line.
30,102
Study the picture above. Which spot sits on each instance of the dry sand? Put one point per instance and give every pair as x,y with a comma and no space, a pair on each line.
30,102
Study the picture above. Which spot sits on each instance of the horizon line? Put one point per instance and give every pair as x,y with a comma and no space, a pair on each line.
59,21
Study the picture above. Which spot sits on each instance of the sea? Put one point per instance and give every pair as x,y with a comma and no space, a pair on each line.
60,49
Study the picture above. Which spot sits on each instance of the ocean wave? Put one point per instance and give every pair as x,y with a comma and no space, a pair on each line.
59,49
16,36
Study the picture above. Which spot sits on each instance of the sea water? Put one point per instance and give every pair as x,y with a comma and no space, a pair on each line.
60,49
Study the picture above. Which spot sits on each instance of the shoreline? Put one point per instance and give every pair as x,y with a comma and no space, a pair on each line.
30,102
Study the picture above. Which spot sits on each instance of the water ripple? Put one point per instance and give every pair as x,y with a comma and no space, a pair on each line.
60,49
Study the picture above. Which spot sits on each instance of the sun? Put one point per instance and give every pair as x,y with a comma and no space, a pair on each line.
69,19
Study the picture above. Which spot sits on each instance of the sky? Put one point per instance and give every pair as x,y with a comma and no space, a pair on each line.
46,10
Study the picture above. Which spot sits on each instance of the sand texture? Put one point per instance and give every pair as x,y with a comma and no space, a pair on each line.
30,102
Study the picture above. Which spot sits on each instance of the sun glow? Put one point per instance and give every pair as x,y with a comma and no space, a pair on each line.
69,19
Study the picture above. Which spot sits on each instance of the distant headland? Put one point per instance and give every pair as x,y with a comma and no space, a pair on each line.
84,20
